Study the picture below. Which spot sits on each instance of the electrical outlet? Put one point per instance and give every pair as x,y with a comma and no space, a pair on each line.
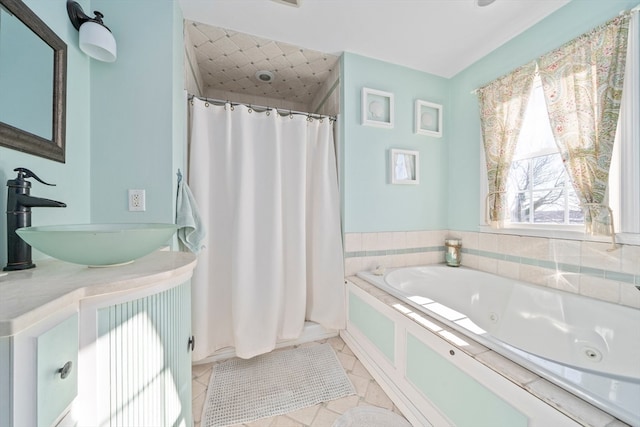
136,200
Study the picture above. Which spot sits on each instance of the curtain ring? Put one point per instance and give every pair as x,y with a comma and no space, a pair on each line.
268,111
250,110
321,119
290,114
232,107
206,104
309,118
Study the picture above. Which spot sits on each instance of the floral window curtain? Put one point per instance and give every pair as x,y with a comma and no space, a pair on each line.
502,106
582,83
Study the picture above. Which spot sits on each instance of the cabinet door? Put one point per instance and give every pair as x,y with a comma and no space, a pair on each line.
56,370
144,360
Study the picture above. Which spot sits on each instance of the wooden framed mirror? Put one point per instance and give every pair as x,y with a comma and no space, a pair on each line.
33,83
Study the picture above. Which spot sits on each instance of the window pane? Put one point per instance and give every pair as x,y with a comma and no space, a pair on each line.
538,188
519,204
535,134
548,172
552,200
576,215
548,206
519,175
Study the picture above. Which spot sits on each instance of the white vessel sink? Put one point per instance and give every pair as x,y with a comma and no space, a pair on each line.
98,244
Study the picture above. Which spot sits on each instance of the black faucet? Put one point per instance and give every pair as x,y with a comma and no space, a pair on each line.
19,204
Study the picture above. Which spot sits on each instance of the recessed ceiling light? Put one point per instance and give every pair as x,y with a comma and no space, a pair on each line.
264,76
483,3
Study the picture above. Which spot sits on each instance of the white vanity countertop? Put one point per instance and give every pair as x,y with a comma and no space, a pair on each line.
29,296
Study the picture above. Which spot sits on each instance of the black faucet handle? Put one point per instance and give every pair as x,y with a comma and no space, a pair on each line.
24,173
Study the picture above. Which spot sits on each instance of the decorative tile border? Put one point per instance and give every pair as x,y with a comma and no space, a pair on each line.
585,268
361,254
558,266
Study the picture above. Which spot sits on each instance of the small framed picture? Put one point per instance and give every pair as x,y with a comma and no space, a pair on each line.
377,108
428,118
404,166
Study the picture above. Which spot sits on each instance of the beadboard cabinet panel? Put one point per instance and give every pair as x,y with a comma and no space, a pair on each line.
144,356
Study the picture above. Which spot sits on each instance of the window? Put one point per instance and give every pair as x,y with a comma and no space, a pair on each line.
539,190
541,200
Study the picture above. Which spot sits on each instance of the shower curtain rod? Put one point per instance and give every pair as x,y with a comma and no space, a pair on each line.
262,108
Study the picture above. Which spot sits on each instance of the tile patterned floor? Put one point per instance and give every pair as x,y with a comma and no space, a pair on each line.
368,393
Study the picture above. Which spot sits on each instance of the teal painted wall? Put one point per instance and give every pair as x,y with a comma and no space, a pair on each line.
72,178
370,202
179,110
134,120
125,120
448,196
463,169
125,124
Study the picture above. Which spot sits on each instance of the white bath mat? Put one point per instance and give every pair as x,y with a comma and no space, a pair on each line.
273,384
370,416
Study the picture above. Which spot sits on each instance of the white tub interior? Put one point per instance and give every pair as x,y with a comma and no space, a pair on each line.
589,347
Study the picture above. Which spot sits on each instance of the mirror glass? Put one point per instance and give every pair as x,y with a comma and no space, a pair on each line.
32,83
26,73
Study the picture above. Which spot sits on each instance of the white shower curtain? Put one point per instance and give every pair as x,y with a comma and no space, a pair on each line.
267,189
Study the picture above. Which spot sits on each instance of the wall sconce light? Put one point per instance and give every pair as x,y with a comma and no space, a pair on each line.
95,38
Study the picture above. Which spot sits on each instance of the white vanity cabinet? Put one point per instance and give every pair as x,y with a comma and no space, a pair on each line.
97,346
39,368
137,363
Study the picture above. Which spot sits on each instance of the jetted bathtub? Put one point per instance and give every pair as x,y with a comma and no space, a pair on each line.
586,346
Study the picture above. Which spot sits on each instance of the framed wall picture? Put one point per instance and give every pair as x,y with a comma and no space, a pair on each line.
377,108
404,166
428,118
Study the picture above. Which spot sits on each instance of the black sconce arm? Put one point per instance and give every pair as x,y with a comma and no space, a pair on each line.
78,17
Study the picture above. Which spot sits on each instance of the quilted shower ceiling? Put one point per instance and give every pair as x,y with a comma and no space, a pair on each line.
229,60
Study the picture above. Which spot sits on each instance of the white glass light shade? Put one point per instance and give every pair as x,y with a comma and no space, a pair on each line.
97,42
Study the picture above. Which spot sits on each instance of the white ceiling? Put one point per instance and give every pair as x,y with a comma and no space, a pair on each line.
441,37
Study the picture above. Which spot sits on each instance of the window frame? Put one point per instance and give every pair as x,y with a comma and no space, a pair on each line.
531,190
627,212
541,151
628,186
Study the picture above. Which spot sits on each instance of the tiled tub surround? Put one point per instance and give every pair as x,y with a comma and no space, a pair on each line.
391,367
366,251
581,267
